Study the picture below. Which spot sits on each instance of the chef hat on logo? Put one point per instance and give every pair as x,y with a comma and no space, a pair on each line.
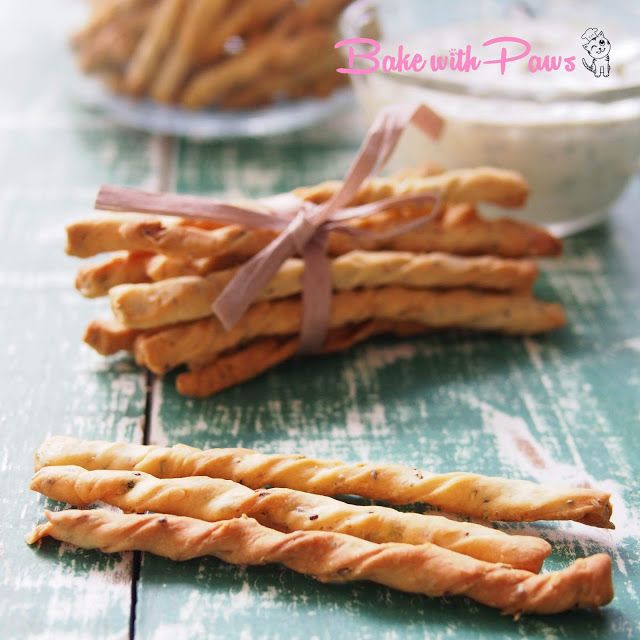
590,33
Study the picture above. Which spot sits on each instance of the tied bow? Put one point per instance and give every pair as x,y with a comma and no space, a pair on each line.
303,226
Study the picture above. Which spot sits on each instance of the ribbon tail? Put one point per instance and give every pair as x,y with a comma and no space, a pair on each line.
316,294
251,279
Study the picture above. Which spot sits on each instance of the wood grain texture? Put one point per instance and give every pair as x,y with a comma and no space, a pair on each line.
564,407
51,158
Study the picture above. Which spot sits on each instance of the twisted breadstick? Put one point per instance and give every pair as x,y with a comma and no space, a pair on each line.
472,234
481,184
207,378
459,308
191,297
198,22
464,493
155,41
96,280
283,509
335,557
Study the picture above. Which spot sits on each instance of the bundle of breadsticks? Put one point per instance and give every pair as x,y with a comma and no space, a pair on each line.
459,270
231,54
214,502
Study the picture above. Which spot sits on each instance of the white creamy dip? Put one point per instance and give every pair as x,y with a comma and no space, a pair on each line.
574,136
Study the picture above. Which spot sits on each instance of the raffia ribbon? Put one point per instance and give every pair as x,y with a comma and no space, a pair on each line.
303,226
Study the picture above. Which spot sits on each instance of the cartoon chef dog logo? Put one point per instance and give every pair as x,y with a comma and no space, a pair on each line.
597,46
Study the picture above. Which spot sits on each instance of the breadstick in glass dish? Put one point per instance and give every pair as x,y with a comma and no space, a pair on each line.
490,498
285,510
334,557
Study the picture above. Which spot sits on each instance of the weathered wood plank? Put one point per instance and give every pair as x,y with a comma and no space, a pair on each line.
562,408
52,157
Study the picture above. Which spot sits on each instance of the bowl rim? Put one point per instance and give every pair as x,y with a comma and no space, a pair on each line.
351,21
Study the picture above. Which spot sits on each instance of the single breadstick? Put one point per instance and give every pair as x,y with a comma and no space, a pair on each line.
198,22
335,557
155,41
457,308
481,184
176,300
284,509
109,336
207,378
464,493
96,280
231,369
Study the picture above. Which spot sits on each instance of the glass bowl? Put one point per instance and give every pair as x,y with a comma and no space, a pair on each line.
575,136
211,124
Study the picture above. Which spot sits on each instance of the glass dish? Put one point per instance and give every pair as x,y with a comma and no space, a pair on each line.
575,137
277,118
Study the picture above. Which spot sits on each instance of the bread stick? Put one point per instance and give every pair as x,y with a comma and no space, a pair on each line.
470,494
335,557
155,41
191,297
229,369
481,184
96,280
458,308
284,509
199,20
109,336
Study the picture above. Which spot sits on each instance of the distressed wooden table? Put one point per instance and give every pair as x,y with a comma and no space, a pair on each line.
563,408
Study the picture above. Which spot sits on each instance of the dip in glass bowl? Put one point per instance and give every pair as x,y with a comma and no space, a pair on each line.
514,92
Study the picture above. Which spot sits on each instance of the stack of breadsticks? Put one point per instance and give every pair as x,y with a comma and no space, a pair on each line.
457,271
213,503
227,53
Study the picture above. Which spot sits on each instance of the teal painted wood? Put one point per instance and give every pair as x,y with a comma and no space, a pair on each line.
561,408
52,156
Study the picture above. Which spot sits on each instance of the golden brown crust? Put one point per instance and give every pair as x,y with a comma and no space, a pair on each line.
229,369
153,44
334,557
464,493
458,231
191,297
457,308
285,510
109,336
96,280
